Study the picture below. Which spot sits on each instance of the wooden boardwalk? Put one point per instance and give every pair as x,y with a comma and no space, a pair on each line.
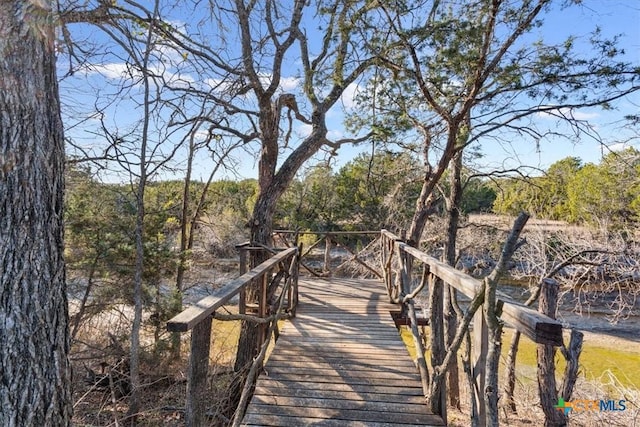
340,362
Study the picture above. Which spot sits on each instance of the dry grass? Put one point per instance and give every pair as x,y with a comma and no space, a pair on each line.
164,380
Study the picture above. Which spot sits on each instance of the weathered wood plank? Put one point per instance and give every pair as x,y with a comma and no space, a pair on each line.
350,379
372,362
340,362
287,421
357,365
265,389
407,389
540,329
347,414
358,403
282,372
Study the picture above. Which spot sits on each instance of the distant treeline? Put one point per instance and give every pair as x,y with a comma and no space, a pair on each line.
605,194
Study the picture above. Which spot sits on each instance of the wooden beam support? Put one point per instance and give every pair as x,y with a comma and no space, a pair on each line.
195,411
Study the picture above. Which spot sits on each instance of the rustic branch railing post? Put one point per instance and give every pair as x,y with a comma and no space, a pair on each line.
242,297
438,350
480,347
293,290
539,328
547,305
387,248
326,269
263,306
195,412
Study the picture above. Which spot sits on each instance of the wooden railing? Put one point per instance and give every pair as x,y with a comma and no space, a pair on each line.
328,240
397,265
396,269
198,318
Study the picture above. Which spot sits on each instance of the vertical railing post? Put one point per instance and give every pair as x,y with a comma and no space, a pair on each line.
295,295
263,305
327,255
242,297
547,305
480,348
195,411
438,349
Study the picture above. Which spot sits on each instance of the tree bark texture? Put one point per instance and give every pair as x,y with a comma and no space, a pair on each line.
572,356
437,342
35,374
450,297
546,360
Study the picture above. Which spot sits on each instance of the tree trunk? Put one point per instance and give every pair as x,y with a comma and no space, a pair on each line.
143,176
510,386
426,201
546,360
438,403
35,385
271,186
450,315
261,233
491,315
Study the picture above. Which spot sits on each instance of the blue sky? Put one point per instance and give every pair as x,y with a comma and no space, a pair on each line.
612,16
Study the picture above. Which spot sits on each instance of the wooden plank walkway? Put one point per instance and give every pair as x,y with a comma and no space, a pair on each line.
340,362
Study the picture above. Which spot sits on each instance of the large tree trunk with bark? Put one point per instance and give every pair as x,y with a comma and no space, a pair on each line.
450,297
261,230
35,375
426,201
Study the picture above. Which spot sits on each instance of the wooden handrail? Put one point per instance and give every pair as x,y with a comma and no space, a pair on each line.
539,328
336,233
191,316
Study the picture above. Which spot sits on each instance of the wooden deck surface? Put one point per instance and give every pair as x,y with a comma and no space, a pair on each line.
340,362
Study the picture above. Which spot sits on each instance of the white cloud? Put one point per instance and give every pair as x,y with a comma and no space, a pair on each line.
620,146
335,135
555,113
583,115
124,71
201,135
349,95
116,70
287,84
304,130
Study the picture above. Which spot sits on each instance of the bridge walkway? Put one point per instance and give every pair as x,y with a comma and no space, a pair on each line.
340,362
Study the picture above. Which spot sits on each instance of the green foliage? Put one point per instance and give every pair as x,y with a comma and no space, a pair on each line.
100,243
364,194
230,205
477,196
310,203
607,194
